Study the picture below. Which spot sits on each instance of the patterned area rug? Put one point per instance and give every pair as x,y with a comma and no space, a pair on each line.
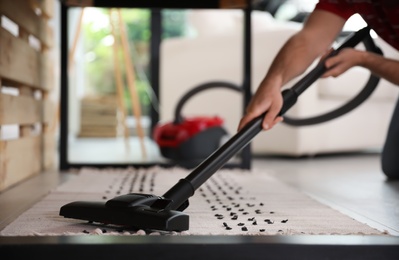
231,202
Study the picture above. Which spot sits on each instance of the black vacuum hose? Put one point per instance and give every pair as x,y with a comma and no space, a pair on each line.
205,86
367,90
320,69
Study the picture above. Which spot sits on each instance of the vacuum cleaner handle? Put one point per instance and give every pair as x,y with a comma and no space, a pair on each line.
186,187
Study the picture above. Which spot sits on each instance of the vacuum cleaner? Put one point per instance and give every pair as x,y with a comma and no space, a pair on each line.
187,141
165,213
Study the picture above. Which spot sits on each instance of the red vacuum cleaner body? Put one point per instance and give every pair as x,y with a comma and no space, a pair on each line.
190,141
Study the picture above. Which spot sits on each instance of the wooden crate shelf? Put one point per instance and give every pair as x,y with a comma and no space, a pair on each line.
27,69
99,117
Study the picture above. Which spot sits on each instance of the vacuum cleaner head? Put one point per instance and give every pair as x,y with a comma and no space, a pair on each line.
191,141
140,211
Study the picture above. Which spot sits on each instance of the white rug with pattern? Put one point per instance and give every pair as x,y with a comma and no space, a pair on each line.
231,202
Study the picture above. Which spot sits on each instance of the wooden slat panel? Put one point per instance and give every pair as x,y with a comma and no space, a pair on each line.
27,68
20,110
24,110
22,13
25,130
48,112
19,159
21,63
82,3
46,71
46,6
49,151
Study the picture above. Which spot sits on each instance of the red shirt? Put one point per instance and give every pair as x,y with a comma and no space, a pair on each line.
381,15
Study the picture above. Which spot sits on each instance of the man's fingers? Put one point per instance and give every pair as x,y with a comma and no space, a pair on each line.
245,120
258,108
326,54
278,120
330,64
242,123
268,121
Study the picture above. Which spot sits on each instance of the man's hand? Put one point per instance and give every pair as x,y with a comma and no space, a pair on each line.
297,54
267,98
343,61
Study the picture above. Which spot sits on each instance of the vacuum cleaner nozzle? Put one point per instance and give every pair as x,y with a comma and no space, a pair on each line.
141,211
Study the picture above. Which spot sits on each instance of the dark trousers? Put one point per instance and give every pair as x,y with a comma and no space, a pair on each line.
390,152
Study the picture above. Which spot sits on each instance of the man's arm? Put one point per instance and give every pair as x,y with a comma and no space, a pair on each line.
316,37
297,54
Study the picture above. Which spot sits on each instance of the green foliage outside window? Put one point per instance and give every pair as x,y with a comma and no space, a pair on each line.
99,64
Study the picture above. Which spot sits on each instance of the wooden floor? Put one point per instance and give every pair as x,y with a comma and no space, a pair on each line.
351,183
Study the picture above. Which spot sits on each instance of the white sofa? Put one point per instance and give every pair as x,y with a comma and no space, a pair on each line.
215,54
